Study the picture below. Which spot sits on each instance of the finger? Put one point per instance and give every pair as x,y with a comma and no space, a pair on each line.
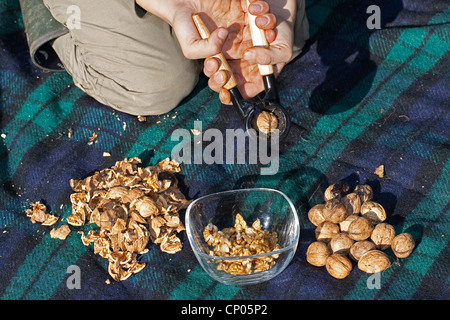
266,21
272,55
258,7
225,96
271,35
210,66
218,80
194,47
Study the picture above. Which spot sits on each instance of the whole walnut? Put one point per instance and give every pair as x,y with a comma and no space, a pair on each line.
338,266
360,229
352,202
344,224
326,231
374,261
315,214
317,253
373,211
382,235
334,211
336,190
361,247
402,245
341,243
364,192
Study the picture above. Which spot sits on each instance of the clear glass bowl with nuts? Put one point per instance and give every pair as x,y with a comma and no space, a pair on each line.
245,236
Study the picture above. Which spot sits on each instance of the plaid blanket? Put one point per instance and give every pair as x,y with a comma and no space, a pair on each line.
359,97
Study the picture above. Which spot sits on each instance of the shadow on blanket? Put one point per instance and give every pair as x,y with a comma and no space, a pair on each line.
343,47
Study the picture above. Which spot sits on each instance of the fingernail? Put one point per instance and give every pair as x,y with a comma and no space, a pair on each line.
222,34
257,8
218,77
262,21
209,66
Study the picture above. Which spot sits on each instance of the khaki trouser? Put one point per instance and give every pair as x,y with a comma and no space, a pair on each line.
128,59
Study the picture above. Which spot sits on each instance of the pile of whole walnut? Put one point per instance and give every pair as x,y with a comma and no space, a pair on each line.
350,226
131,205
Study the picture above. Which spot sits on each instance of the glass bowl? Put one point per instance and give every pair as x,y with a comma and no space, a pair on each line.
275,212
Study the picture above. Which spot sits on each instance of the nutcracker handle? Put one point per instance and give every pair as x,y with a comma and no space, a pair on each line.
259,40
204,34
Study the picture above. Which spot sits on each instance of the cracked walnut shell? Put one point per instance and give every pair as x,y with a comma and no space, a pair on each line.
131,205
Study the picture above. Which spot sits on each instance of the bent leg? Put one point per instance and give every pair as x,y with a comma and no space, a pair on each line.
130,62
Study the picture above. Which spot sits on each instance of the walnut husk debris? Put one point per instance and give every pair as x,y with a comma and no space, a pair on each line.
38,213
242,240
131,205
350,224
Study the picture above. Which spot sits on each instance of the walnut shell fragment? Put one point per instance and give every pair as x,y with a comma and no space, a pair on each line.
131,205
61,233
38,213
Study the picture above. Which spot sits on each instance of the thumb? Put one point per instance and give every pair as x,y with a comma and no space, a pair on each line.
194,47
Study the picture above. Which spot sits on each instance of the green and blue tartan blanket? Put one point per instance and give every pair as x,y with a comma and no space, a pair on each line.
360,97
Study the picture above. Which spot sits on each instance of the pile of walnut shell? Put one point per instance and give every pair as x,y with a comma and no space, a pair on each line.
350,226
131,205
